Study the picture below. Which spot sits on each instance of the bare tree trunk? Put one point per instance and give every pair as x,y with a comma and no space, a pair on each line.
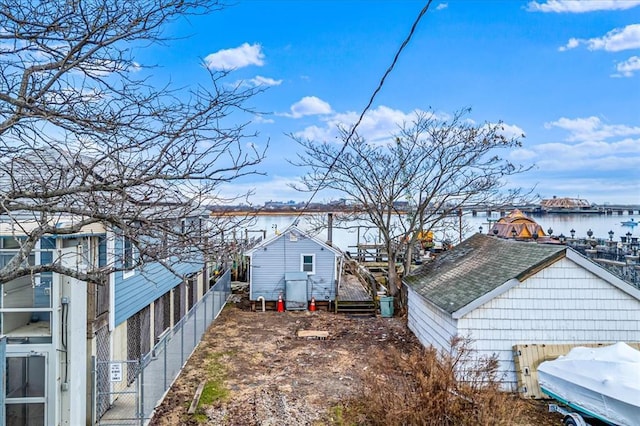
392,274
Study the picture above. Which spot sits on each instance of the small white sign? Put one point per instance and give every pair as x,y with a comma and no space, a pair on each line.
116,372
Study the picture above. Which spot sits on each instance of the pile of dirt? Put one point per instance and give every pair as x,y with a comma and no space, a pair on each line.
275,377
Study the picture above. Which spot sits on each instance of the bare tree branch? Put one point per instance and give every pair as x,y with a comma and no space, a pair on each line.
87,139
433,168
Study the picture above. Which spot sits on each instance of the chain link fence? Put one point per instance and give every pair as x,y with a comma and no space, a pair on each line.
156,371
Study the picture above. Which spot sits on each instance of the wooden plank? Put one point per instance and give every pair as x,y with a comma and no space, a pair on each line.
317,334
527,358
196,398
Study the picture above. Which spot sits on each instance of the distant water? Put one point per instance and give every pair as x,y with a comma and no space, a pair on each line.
559,223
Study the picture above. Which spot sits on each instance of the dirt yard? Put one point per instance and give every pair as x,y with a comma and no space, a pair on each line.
268,375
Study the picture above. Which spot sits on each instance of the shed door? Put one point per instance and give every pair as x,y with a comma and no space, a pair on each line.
296,290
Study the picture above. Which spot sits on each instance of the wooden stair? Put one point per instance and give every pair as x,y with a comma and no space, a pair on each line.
361,308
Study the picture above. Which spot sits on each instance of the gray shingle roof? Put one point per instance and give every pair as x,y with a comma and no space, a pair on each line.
477,266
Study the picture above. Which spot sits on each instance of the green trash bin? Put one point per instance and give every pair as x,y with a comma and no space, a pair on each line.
386,306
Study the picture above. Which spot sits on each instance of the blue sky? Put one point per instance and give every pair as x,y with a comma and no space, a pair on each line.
565,73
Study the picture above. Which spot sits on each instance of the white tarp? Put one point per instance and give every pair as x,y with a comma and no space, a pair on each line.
604,381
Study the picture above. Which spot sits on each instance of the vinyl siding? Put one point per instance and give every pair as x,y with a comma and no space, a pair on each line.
563,303
431,325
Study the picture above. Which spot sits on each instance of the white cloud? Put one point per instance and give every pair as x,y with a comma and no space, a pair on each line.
571,44
573,6
442,6
597,159
265,81
257,81
238,57
522,154
511,131
592,129
584,168
309,105
628,67
378,124
259,118
614,41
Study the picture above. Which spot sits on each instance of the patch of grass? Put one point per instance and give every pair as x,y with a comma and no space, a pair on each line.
214,390
337,416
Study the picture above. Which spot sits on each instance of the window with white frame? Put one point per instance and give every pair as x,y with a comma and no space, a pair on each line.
128,257
308,263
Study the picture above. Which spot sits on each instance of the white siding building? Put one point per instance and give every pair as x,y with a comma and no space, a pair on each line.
504,292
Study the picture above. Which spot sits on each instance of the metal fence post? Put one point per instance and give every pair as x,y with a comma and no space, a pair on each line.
141,390
195,325
94,371
164,350
204,304
182,342
214,313
138,391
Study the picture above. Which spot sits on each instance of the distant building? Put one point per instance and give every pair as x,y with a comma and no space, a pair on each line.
567,205
401,205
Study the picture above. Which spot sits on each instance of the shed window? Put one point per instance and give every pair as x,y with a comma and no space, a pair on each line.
308,262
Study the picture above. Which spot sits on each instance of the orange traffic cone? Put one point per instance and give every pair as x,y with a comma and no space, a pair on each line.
312,307
280,304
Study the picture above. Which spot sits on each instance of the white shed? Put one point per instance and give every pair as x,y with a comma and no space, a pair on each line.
290,260
504,292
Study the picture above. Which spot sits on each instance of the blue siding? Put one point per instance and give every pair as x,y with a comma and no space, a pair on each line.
283,255
138,291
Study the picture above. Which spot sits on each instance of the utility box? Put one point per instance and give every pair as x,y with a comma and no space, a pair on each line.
295,291
386,306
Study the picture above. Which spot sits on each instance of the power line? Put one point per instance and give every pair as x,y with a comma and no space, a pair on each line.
368,106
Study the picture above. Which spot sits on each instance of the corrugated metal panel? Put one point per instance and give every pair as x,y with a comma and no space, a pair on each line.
527,358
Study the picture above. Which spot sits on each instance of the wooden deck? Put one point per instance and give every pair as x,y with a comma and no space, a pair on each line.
352,290
353,298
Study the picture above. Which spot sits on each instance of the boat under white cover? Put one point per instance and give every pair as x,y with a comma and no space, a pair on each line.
603,382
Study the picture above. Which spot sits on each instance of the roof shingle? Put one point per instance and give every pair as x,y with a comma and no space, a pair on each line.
477,266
